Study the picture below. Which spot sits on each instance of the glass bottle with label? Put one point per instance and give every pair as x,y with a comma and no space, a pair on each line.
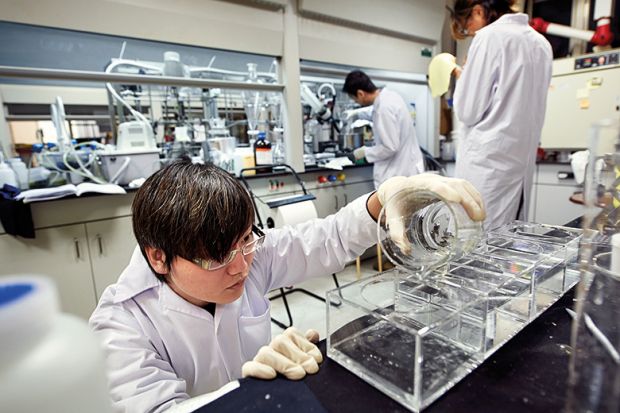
263,155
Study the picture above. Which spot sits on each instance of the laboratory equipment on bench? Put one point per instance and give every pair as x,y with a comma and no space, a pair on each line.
121,168
413,334
289,210
184,119
136,154
50,361
135,136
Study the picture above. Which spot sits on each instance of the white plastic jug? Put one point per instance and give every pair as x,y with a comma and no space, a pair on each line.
49,361
21,172
7,175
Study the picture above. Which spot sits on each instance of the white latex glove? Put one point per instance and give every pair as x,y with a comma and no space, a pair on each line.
360,153
290,354
451,189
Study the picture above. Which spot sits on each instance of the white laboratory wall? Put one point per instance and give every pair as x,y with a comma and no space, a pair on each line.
406,18
207,23
390,34
325,42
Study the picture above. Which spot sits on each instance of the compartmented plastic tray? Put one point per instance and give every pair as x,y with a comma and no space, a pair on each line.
414,337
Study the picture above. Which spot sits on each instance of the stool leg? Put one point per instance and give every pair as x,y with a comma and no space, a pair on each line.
380,258
358,267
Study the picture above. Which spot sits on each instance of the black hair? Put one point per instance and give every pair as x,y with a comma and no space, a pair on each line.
191,211
358,80
462,9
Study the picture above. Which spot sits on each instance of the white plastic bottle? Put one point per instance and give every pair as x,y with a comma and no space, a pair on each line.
49,362
7,175
21,172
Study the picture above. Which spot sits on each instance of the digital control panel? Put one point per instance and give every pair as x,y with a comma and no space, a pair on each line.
603,59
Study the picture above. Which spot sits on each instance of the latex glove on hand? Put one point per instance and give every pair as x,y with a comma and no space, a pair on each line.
451,189
359,153
455,190
291,354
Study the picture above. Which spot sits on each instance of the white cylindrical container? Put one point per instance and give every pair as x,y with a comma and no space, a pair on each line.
7,175
49,362
21,172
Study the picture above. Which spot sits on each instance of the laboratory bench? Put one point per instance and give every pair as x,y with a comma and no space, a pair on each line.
527,374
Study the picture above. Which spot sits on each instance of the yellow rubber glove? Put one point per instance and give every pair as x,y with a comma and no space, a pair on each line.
440,69
291,354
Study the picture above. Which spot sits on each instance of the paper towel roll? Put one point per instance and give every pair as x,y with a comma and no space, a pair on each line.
294,213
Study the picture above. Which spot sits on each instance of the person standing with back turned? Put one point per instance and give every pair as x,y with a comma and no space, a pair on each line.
396,151
500,98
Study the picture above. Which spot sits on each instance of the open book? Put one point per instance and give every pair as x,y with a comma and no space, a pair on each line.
45,194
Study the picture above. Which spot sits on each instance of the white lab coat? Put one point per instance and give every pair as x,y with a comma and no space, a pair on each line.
396,151
500,98
161,349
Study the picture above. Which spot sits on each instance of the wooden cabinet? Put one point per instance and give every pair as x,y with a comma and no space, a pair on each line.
61,253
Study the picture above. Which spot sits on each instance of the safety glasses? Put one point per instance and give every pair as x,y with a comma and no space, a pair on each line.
247,249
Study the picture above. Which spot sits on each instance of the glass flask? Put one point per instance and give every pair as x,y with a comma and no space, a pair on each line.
419,230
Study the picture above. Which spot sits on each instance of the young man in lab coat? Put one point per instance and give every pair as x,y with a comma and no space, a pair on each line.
189,314
396,151
500,98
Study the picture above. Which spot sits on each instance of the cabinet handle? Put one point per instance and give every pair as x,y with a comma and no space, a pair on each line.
336,198
563,175
100,243
346,199
77,249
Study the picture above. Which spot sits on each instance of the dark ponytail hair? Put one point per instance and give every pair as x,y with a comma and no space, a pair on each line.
462,9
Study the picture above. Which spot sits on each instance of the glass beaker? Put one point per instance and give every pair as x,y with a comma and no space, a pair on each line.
420,230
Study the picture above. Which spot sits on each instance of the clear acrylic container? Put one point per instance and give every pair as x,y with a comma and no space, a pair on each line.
411,342
413,337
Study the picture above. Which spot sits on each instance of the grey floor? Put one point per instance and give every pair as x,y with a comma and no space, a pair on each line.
308,312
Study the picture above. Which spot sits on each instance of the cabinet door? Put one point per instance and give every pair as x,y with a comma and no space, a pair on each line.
553,205
328,199
111,243
355,190
60,253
